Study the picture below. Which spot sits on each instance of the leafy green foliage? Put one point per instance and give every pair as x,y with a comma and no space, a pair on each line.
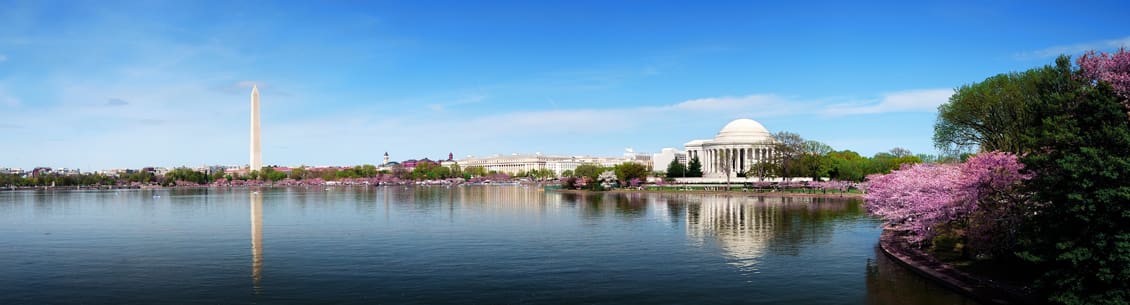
676,169
1080,229
590,171
989,115
627,171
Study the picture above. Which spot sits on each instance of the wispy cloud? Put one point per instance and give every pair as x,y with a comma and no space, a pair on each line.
903,101
116,102
1075,48
768,102
465,100
3,58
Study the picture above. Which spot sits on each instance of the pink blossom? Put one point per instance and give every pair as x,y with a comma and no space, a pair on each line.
920,196
1112,68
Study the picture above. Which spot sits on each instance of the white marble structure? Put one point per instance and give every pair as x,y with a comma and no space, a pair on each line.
737,147
256,149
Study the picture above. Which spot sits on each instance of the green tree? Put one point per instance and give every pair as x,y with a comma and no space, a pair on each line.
543,174
366,171
627,171
763,170
676,169
270,174
989,115
439,172
694,168
186,174
298,173
591,171
787,151
455,170
847,165
1079,231
475,171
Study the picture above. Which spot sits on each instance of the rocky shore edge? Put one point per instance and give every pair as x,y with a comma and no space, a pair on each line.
894,245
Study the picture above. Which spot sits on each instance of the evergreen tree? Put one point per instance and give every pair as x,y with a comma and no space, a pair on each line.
694,169
676,169
1079,233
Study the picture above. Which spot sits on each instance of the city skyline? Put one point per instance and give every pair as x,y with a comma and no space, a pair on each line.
92,85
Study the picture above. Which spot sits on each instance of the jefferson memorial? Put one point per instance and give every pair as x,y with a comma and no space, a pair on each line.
741,144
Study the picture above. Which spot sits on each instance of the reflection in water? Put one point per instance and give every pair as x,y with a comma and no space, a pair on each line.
439,245
743,231
256,239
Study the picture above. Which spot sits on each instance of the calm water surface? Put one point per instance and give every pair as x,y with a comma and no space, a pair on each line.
434,245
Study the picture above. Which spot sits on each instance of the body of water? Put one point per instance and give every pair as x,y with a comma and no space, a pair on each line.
438,245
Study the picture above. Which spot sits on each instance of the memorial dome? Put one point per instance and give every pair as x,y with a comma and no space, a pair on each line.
743,131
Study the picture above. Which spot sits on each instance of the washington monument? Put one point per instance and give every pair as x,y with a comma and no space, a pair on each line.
256,148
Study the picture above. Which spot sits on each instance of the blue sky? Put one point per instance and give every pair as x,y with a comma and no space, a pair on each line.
103,84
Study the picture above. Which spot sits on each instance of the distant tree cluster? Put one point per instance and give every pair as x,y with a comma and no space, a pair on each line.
806,158
596,177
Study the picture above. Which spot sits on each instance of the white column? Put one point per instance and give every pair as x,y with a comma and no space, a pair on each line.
705,160
710,162
713,156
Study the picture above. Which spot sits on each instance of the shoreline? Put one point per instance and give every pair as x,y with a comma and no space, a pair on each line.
982,289
704,192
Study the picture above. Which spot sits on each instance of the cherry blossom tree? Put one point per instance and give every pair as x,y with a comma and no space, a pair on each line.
1112,68
980,193
916,197
992,181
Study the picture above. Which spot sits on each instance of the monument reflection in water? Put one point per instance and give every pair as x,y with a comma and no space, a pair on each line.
256,239
742,230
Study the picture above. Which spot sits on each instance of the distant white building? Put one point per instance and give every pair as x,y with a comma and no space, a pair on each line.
665,156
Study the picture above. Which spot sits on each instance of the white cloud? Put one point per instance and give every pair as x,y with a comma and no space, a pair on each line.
903,101
465,100
729,103
1075,49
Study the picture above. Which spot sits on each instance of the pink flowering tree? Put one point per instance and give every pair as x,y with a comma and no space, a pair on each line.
980,196
991,183
916,197
1113,68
